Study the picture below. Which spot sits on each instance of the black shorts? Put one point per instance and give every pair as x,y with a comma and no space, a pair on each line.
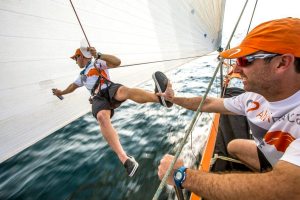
264,163
105,100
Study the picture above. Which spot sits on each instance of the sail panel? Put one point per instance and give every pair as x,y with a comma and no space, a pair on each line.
38,38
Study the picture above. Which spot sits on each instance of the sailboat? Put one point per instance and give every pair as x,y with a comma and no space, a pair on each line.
38,38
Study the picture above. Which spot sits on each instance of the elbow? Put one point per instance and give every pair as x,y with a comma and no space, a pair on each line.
118,62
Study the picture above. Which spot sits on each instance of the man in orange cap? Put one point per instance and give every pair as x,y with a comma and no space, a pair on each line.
268,60
107,96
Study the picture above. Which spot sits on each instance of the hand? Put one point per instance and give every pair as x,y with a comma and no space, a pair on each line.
93,51
57,92
164,165
168,94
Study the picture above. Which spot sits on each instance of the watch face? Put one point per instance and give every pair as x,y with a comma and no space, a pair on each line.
178,176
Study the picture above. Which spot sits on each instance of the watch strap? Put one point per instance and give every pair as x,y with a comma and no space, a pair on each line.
99,55
181,170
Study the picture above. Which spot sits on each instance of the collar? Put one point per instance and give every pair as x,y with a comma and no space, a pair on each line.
82,72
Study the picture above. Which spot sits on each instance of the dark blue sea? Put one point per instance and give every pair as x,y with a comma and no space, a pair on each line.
75,162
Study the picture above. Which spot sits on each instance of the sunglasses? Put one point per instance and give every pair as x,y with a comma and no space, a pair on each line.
247,60
76,57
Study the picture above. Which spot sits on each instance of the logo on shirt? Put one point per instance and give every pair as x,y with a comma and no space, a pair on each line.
281,140
255,105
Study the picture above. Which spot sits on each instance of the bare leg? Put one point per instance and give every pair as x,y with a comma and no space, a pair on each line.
135,94
110,134
245,151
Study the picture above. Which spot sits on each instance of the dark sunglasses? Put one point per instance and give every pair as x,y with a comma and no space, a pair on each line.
76,57
247,60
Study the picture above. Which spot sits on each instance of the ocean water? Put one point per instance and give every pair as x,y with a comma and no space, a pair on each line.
75,162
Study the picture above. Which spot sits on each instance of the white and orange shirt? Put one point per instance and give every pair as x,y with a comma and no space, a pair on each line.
89,75
275,126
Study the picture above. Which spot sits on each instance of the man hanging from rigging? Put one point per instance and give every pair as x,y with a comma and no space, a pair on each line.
107,96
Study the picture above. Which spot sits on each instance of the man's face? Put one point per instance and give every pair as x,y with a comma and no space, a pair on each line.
257,75
79,61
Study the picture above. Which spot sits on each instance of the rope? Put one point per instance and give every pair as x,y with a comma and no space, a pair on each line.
216,156
163,182
80,23
252,16
166,60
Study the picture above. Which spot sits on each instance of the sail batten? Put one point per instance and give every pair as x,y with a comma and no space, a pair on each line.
38,38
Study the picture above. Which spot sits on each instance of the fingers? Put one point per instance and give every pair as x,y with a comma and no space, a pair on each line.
93,51
56,92
168,94
164,166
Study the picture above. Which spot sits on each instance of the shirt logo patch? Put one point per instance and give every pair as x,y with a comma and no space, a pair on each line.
281,140
254,107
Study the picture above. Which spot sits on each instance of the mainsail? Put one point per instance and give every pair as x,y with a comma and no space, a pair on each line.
38,37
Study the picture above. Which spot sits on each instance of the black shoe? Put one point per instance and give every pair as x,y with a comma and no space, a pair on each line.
161,82
131,166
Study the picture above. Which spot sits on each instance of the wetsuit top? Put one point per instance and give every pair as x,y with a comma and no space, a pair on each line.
275,126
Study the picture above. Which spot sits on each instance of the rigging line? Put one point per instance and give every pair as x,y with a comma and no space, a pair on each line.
111,18
166,60
138,17
115,19
80,23
235,27
252,16
198,112
182,143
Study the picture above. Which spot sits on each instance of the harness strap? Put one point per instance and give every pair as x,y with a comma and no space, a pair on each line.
106,81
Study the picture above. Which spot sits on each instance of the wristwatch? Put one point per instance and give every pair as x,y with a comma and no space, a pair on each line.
179,176
99,55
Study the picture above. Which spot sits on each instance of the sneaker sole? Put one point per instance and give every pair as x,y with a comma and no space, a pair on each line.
134,170
159,89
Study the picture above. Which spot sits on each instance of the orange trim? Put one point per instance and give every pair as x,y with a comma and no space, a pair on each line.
95,72
209,150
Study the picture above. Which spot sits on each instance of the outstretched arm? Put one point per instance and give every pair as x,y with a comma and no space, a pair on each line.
111,61
280,183
211,104
68,90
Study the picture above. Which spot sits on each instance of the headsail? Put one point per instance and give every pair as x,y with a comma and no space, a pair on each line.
38,37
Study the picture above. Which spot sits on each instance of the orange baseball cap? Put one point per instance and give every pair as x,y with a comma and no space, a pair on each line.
81,52
277,36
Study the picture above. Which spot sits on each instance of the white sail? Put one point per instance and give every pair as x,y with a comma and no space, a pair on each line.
38,37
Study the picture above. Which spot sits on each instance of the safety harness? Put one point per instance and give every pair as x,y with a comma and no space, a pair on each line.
100,79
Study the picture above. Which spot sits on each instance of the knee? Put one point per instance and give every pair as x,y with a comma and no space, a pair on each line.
122,93
232,147
103,117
